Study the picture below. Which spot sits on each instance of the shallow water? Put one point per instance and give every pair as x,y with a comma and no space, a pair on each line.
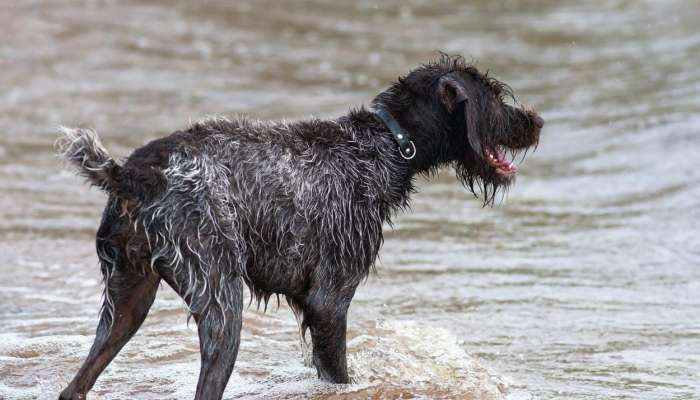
582,284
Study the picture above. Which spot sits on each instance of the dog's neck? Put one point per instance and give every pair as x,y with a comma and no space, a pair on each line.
426,135
400,172
407,149
429,153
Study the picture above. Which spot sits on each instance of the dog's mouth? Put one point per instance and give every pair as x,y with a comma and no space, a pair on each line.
496,157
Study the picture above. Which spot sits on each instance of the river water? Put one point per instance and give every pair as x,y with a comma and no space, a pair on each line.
583,283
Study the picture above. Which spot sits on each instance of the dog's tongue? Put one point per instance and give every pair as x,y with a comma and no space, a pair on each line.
496,157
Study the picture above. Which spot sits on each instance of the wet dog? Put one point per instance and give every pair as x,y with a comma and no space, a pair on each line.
293,209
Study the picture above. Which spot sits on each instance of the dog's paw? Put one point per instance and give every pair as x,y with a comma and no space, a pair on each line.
69,394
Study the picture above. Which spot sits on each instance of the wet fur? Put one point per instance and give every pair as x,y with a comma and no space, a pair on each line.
293,209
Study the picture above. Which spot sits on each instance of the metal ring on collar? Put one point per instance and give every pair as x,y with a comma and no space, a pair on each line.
412,153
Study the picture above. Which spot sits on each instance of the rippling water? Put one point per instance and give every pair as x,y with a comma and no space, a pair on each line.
583,284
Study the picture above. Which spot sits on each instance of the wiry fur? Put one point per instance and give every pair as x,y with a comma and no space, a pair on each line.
85,151
292,209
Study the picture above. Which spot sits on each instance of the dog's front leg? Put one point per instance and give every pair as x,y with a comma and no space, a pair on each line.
326,316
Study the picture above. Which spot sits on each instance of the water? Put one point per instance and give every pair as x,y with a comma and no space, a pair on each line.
582,284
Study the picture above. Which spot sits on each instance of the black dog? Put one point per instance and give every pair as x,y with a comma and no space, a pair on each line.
294,209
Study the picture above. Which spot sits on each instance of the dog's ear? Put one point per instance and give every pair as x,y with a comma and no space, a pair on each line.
453,95
451,92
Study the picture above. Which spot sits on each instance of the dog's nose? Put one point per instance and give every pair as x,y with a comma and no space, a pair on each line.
539,122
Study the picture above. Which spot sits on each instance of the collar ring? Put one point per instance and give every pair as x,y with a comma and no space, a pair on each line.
407,153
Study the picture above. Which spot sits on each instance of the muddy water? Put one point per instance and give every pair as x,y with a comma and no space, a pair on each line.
583,284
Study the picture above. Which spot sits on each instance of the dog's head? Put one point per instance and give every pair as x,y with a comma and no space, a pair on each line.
460,116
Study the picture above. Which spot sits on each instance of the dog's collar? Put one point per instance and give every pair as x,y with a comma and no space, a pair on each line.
406,147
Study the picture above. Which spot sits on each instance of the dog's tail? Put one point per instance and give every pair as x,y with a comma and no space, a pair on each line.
82,148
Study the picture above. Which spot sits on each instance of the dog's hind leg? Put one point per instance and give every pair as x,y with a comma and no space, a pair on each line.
217,310
200,253
219,336
128,297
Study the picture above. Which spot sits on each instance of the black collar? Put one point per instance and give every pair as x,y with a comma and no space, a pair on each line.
406,146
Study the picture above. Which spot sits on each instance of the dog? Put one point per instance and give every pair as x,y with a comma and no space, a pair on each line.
293,209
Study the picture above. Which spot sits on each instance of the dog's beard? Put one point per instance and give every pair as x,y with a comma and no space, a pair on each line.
489,166
482,181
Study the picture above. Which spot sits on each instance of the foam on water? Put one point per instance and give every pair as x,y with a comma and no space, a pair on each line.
420,356
387,359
